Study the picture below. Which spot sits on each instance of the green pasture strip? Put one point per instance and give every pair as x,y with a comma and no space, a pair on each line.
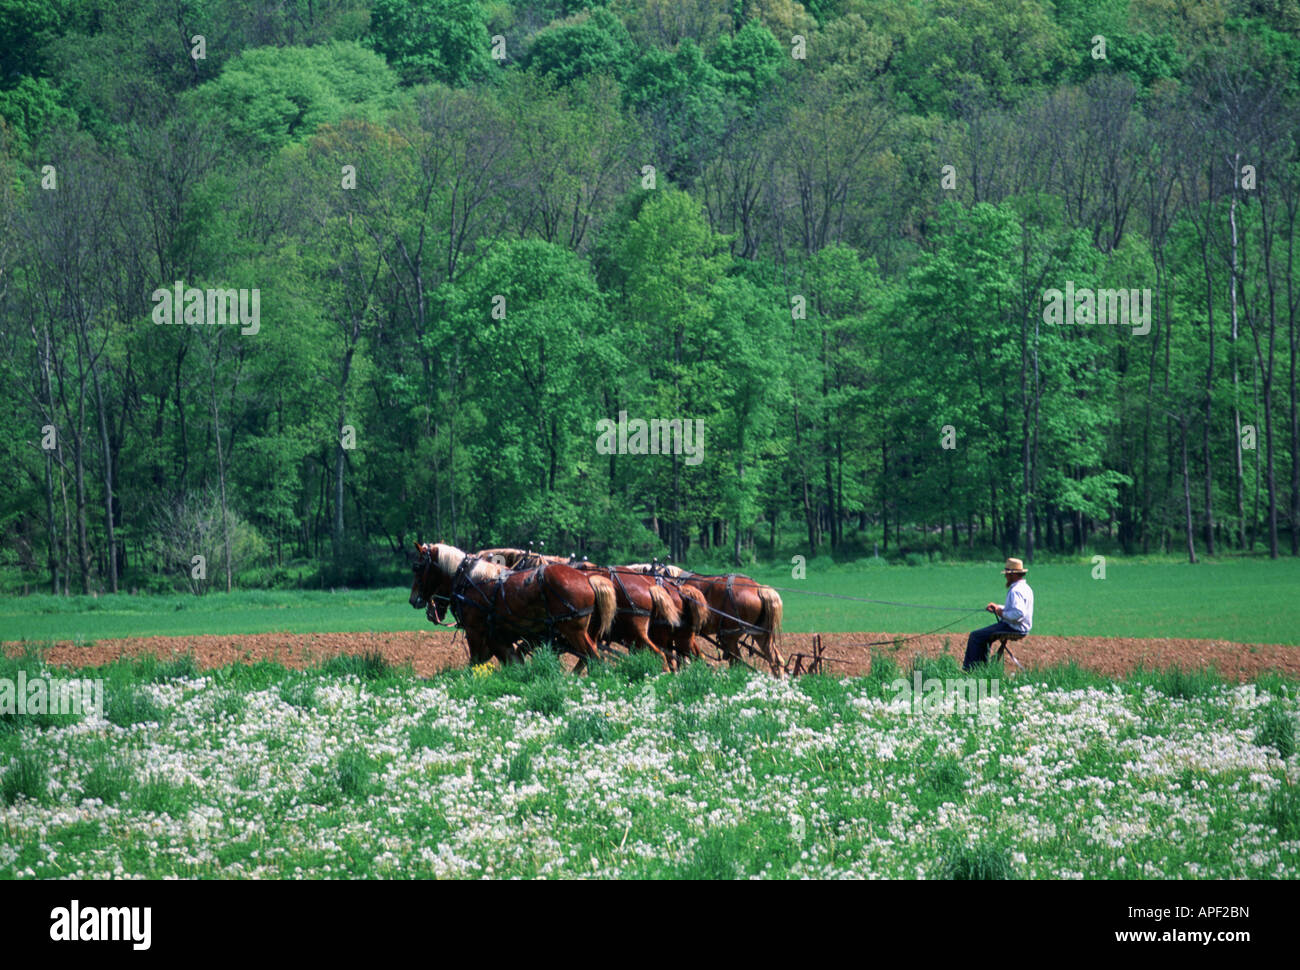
84,618
357,769
1245,601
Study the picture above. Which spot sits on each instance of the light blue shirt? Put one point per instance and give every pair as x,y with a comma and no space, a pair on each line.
1019,608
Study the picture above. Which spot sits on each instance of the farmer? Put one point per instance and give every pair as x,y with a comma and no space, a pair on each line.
1014,616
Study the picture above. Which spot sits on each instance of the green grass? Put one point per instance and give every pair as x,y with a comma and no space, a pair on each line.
1277,729
43,617
27,777
1284,812
984,860
126,704
356,769
108,777
1246,601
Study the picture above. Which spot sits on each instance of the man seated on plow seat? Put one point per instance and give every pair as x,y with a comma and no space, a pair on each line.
1015,616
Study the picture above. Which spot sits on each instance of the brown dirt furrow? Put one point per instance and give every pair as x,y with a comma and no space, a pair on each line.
429,651
1112,656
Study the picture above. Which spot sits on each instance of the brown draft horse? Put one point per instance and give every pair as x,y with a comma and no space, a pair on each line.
497,608
694,611
649,614
738,607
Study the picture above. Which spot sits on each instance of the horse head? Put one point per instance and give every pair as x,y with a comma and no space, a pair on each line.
433,567
421,570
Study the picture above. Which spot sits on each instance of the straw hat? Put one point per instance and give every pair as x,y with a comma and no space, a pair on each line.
1014,566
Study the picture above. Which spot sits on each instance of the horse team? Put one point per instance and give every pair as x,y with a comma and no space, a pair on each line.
509,600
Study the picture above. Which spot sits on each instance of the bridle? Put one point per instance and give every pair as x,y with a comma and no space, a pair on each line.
424,564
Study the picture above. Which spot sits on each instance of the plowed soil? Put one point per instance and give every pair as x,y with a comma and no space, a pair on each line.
847,653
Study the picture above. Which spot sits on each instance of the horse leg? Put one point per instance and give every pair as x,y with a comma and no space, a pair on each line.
692,645
641,627
772,655
663,639
683,643
578,637
766,647
505,653
480,651
730,644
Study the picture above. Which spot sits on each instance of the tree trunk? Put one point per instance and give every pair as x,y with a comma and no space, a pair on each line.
221,469
1187,501
1232,352
1209,398
110,540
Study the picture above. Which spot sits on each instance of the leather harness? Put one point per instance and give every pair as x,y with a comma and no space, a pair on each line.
493,604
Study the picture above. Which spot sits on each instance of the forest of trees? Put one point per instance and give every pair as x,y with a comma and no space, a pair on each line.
476,230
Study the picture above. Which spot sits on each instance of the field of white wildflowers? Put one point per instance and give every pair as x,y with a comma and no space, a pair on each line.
358,770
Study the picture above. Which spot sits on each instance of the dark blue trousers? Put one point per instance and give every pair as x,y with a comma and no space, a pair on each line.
977,644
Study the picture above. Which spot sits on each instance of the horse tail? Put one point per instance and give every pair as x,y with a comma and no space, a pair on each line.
695,605
772,613
662,605
606,606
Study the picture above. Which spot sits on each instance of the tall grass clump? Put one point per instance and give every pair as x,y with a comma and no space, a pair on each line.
587,729
298,693
154,793
126,704
638,666
27,777
1276,729
884,669
828,692
520,768
541,680
1178,682
946,777
545,697
942,667
107,778
426,735
1066,676
352,772
695,681
984,860
181,667
371,665
1284,811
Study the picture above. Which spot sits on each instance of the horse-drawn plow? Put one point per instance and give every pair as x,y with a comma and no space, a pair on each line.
816,660
508,601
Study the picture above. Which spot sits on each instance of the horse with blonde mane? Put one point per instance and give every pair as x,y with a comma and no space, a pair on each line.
499,608
737,608
649,614
513,558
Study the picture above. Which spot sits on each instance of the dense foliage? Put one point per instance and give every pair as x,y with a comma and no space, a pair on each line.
475,230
